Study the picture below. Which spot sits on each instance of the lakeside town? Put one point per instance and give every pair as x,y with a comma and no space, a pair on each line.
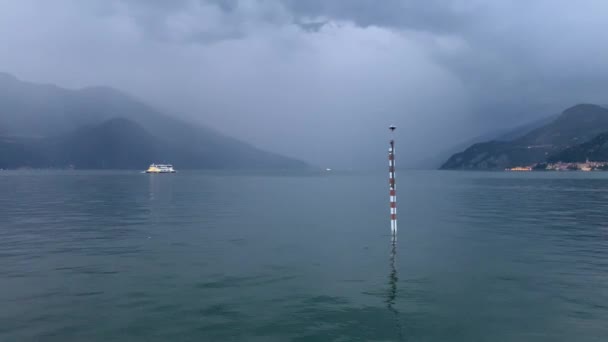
561,166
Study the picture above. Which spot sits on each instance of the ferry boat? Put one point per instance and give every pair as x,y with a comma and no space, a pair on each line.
519,168
160,168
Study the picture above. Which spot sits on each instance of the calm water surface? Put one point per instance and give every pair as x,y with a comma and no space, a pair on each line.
122,256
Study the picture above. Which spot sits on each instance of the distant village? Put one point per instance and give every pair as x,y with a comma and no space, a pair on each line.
561,166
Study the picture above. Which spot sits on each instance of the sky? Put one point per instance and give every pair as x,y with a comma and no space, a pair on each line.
322,80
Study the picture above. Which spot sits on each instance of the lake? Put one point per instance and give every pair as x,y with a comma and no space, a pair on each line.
206,256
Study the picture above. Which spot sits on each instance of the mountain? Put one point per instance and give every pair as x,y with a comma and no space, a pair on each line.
594,150
497,135
116,143
99,127
19,152
520,131
574,126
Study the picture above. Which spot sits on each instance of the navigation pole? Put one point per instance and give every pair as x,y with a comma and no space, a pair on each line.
391,181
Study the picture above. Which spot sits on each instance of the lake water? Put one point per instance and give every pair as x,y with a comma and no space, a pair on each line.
195,256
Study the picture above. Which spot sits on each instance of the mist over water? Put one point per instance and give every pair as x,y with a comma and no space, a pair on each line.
120,256
321,80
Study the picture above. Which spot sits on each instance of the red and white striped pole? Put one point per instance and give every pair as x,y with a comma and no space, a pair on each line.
391,181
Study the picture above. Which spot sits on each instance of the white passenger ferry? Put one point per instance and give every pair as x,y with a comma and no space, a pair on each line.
160,168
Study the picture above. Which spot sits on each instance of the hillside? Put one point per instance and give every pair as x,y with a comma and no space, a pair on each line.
20,152
116,143
594,150
36,114
574,126
497,135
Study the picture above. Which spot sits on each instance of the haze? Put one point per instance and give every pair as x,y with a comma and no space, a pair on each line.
321,80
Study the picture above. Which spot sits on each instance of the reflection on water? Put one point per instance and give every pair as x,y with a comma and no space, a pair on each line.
392,286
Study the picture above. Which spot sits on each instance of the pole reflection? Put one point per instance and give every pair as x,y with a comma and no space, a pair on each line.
392,286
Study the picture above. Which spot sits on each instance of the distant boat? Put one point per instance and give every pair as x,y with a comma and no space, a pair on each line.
519,168
328,169
160,168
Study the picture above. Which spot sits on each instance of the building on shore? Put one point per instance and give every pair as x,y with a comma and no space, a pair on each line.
563,166
586,166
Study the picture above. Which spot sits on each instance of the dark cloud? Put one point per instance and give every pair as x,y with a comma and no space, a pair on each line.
441,16
320,79
429,15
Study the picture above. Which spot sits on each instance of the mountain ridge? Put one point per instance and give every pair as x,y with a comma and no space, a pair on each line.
575,125
507,134
594,150
32,112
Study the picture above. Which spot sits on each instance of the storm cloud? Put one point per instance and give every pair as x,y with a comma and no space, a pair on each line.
322,79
